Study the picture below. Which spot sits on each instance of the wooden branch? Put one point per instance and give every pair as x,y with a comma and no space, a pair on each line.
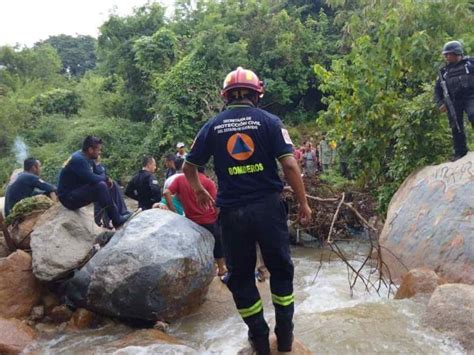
322,199
334,218
362,219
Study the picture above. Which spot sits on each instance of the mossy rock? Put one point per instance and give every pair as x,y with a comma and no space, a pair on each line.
25,207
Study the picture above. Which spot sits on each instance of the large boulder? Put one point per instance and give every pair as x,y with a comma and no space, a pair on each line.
19,289
21,232
14,336
451,309
430,223
418,282
4,251
157,267
61,241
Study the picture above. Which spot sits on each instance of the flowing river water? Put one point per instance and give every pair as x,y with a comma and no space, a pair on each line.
328,320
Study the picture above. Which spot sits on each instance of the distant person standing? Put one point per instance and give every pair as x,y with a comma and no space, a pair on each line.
310,160
458,77
170,165
325,154
144,186
181,153
298,155
26,184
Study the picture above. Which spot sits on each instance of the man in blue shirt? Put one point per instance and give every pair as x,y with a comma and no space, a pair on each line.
81,182
246,142
27,184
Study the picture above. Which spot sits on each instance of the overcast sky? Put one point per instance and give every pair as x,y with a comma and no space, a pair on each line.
28,21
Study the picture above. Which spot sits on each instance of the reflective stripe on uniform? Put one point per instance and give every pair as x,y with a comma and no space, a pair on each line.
283,300
250,311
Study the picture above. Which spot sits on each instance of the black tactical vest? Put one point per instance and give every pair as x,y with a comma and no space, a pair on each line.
460,77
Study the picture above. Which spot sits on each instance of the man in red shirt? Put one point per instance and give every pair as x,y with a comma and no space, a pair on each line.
205,217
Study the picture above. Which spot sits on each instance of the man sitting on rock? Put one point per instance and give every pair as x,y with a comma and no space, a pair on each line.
144,186
205,217
27,184
101,218
80,183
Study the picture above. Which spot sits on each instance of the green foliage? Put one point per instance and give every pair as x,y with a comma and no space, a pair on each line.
101,95
24,74
271,37
59,101
375,62
7,164
117,56
186,99
77,53
379,95
122,138
26,206
41,63
337,182
156,53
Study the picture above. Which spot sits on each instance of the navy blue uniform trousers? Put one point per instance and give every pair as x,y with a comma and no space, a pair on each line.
263,222
87,194
216,233
462,105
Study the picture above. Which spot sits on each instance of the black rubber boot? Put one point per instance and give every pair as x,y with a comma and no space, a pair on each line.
261,345
285,342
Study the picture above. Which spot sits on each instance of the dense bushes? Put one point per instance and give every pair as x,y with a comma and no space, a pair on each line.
61,101
364,68
123,142
379,94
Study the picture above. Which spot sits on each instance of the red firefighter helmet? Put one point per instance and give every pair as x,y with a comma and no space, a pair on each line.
242,78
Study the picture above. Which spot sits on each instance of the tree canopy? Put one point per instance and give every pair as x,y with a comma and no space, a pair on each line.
77,53
362,71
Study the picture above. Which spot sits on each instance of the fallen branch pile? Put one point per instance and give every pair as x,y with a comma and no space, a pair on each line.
335,216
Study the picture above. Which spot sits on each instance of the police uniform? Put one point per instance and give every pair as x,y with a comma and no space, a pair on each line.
145,189
245,142
460,82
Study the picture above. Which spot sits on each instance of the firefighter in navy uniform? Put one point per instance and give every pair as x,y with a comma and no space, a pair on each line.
246,142
459,76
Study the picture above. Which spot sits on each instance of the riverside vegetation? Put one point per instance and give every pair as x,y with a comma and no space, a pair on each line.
363,71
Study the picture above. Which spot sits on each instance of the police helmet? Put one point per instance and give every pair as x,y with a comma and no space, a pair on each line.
453,47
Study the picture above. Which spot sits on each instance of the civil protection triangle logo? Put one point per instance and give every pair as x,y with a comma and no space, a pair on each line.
240,146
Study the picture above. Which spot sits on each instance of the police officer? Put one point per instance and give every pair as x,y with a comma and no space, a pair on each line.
246,142
459,76
144,186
